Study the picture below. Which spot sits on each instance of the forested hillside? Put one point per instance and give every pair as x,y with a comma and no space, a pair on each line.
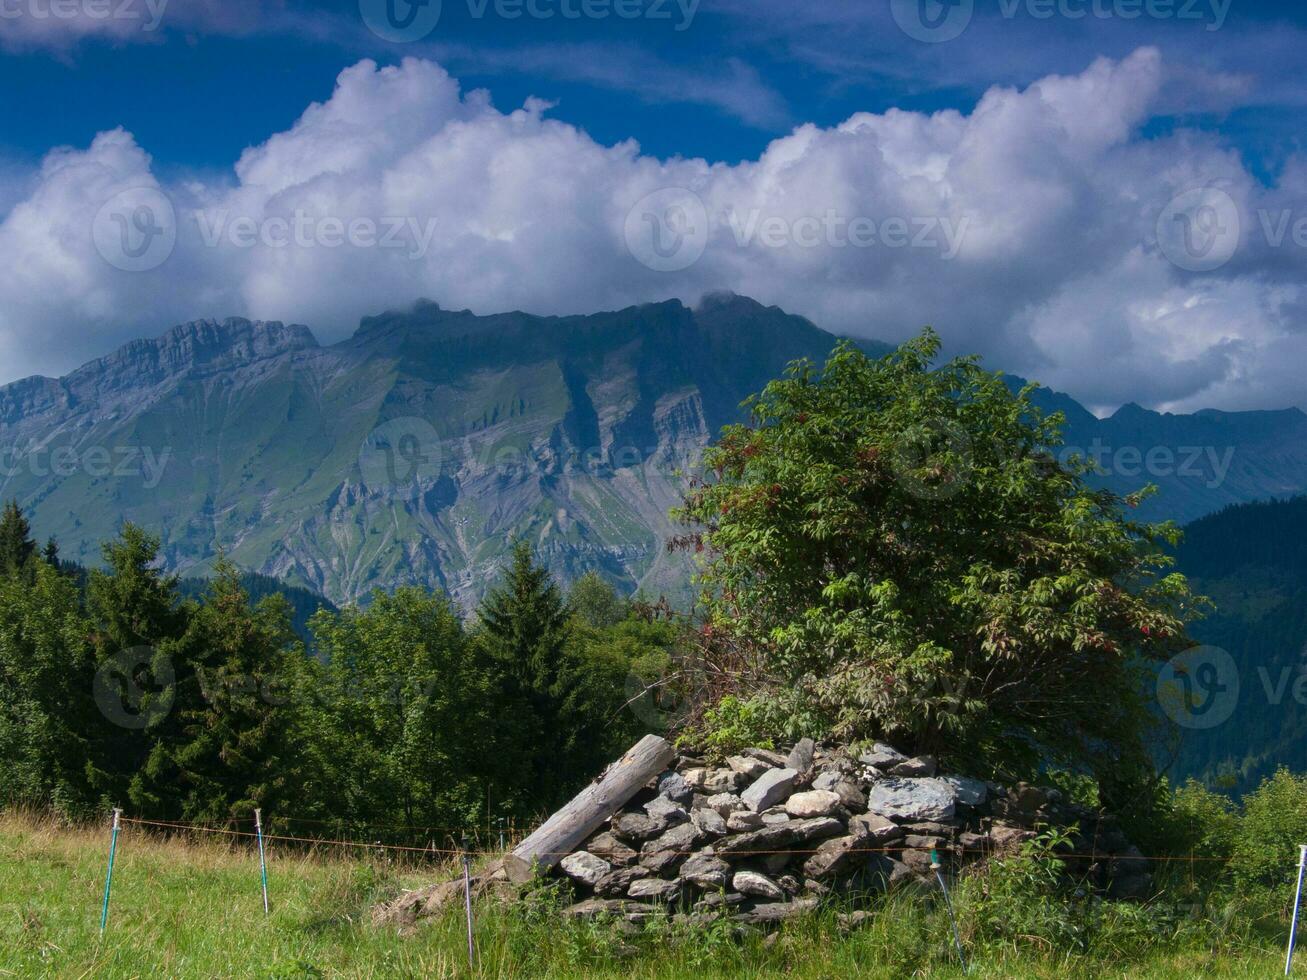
1252,561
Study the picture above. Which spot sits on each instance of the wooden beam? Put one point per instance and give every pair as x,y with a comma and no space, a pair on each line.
567,829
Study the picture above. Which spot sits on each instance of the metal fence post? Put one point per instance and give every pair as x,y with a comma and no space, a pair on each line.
467,904
948,904
263,863
108,878
1297,898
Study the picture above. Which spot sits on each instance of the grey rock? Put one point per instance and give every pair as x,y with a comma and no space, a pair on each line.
801,756
773,759
665,811
675,788
616,882
912,799
850,793
726,803
612,850
594,907
709,822
814,803
706,871
670,850
655,889
747,766
771,788
712,781
756,885
971,792
775,815
923,842
848,921
836,856
818,828
635,827
883,757
585,867
777,836
765,840
743,821
720,899
922,765
774,912
790,884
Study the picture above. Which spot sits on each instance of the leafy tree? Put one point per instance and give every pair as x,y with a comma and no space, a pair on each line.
16,544
399,718
595,602
902,555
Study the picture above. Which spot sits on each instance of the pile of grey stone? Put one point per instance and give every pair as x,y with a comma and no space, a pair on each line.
769,834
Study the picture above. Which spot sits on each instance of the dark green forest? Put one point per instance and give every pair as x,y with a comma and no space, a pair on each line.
1251,560
198,702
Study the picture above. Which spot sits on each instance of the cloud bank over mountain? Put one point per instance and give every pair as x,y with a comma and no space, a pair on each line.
1049,228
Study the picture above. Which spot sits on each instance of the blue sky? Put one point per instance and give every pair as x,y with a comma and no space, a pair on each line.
730,99
200,87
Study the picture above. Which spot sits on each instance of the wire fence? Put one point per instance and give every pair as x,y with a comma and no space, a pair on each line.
464,852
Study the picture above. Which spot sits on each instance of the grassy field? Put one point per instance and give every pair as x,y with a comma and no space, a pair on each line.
184,908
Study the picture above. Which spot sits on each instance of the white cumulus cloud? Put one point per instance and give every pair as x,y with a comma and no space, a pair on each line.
1025,229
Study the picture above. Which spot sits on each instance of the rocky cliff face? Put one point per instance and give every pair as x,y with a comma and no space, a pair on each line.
418,450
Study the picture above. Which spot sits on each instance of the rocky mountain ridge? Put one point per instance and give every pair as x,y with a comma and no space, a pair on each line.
421,448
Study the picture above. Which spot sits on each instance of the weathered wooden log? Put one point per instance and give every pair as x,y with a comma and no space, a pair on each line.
567,829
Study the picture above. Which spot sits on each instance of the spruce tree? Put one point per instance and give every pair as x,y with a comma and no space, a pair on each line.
136,616
16,544
526,628
228,752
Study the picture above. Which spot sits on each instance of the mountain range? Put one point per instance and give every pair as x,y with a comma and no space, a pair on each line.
419,449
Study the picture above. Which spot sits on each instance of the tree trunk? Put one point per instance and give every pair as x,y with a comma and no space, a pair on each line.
560,835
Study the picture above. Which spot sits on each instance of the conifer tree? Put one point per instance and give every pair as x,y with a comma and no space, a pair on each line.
228,752
136,615
16,544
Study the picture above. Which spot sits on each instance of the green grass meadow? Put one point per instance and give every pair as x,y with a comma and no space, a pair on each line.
192,908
